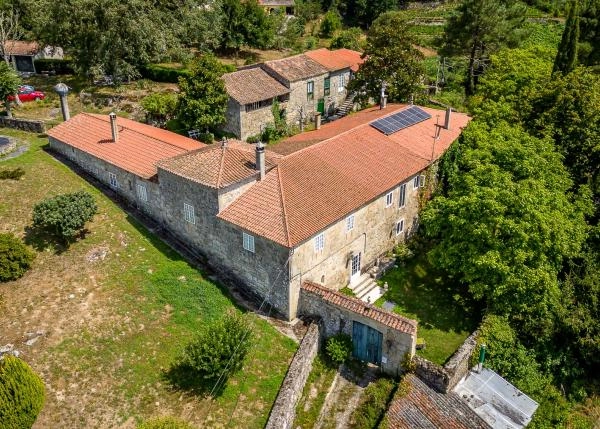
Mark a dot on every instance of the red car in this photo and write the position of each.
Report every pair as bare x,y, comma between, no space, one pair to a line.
28,93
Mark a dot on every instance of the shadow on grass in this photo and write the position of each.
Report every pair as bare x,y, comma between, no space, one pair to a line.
182,378
41,239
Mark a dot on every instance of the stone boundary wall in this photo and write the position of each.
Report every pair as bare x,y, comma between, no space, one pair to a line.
283,412
444,378
33,126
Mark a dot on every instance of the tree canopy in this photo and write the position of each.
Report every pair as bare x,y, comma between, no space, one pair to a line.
566,57
9,84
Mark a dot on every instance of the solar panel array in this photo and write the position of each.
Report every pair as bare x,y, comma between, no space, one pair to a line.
398,121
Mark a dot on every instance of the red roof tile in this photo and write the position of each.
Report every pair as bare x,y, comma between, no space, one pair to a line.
319,187
357,306
251,85
338,59
21,47
295,68
137,150
218,166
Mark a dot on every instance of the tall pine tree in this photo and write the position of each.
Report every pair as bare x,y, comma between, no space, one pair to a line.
566,57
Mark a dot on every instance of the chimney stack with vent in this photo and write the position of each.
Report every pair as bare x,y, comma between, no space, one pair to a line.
260,159
382,97
113,126
318,121
448,115
63,90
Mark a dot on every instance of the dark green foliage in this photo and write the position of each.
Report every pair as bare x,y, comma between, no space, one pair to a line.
158,73
164,423
589,48
349,39
14,174
364,12
246,24
65,215
160,105
9,84
391,58
339,348
203,99
22,394
566,57
331,23
206,137
217,352
55,65
374,404
15,258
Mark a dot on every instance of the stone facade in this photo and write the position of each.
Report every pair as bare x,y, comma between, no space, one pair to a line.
299,98
29,125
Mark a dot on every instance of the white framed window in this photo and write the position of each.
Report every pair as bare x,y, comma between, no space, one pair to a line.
350,223
400,227
141,192
402,196
188,213
416,182
112,180
319,242
389,199
422,180
342,83
248,242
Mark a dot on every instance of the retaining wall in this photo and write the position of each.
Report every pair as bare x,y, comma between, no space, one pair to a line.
283,412
32,126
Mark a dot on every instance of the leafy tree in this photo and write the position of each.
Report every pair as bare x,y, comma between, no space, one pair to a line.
203,99
66,214
566,57
391,59
22,394
364,12
479,28
217,352
349,39
9,84
246,24
589,48
160,106
507,223
331,23
15,258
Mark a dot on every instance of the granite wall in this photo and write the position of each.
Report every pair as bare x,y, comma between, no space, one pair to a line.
29,125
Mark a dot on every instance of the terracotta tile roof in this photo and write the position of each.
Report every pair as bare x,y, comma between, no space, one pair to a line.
217,166
295,68
424,408
392,320
338,59
276,2
138,149
21,47
251,85
323,183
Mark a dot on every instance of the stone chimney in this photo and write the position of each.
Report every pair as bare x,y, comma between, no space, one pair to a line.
382,98
318,121
113,126
260,159
63,90
448,115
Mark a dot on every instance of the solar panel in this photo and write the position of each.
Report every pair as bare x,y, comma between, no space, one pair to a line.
399,121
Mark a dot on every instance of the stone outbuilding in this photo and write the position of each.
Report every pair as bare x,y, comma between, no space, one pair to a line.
21,54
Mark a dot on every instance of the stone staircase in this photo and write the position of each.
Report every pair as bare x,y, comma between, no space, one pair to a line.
366,289
345,108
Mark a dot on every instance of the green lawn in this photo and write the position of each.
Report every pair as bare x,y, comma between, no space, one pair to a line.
114,325
421,294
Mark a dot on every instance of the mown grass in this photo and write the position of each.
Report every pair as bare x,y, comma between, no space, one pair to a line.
421,293
315,390
148,304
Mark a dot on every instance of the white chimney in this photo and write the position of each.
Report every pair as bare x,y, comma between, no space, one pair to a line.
448,115
113,126
382,98
318,121
260,159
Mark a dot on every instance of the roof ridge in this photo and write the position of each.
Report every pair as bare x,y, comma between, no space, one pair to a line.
221,165
286,228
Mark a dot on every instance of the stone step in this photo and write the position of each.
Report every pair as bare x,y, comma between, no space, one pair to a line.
364,283
373,294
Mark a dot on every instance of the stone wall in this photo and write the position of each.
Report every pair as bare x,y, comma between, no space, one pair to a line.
335,319
29,125
252,122
283,412
444,378
298,99
233,123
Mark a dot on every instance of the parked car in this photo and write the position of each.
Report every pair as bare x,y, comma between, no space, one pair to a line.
28,93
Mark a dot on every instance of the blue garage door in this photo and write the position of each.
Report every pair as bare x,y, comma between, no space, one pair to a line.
367,343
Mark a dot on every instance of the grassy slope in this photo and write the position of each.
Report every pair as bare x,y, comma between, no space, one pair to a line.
146,307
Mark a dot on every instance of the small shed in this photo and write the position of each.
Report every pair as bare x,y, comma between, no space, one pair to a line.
21,54
272,5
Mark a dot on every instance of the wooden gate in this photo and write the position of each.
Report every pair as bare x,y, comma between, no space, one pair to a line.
366,343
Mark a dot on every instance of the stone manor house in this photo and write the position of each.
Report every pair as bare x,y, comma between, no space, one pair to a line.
305,84
292,224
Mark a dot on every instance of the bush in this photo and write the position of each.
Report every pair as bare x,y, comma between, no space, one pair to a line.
349,39
22,394
57,66
339,348
218,351
161,105
331,23
159,73
15,258
65,215
14,174
373,405
207,137
164,423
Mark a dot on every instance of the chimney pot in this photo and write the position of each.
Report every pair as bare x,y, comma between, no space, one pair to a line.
318,120
224,142
113,126
260,159
448,117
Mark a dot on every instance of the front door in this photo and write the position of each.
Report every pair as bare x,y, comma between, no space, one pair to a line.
366,343
355,270
321,106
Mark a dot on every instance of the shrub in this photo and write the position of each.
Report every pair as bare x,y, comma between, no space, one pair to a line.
66,214
159,73
373,405
207,137
349,39
15,258
330,24
339,348
55,65
21,394
160,104
14,174
164,423
218,351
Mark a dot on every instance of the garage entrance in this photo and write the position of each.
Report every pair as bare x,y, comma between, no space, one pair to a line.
366,342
